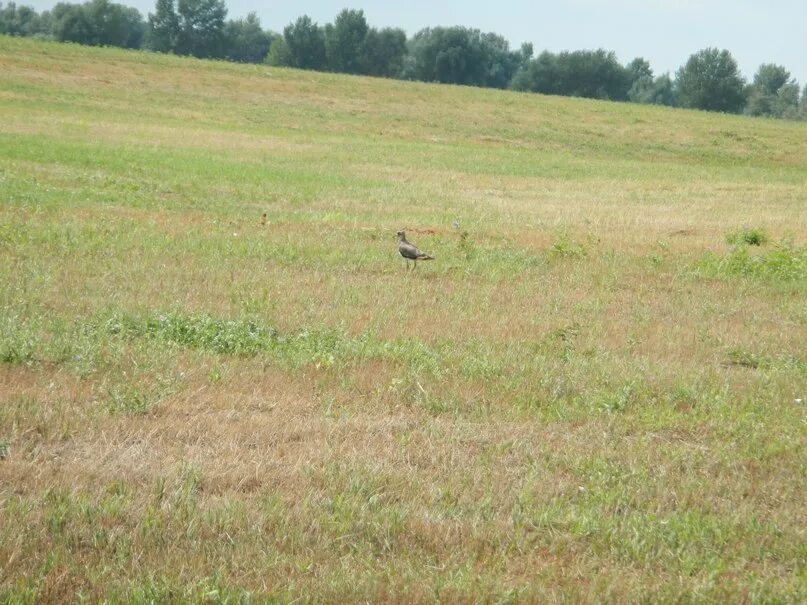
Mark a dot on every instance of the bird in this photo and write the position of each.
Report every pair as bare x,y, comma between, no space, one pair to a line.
410,252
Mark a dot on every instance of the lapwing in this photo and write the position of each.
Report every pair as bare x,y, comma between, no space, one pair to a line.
410,252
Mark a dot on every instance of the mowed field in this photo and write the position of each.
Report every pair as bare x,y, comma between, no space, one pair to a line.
590,394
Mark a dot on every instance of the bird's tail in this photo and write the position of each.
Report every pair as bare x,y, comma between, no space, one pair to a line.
425,257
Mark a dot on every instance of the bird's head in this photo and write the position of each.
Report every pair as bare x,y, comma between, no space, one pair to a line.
401,235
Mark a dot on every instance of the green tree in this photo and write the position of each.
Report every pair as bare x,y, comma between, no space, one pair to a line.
445,54
458,55
201,28
245,40
500,63
279,54
786,104
70,24
305,44
20,21
114,24
773,93
345,42
802,112
593,74
710,80
188,27
98,23
384,52
653,91
770,78
538,75
638,69
582,73
163,27
641,89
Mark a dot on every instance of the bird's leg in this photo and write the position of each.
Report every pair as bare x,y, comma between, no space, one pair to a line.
416,264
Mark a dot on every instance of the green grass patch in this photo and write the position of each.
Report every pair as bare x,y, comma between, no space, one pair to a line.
748,236
783,262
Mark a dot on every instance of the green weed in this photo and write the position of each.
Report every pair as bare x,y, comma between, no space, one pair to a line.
16,340
785,262
748,236
130,399
566,247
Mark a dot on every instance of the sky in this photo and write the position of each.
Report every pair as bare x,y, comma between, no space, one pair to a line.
665,32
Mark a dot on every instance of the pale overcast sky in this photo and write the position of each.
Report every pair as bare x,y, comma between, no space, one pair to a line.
665,32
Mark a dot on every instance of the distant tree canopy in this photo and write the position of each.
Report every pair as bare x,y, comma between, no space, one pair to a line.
348,45
458,55
22,21
654,91
94,23
385,50
709,80
245,41
645,88
163,27
638,68
583,73
305,45
345,42
188,27
773,93
802,112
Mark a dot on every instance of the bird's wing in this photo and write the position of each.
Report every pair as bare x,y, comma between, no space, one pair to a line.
407,250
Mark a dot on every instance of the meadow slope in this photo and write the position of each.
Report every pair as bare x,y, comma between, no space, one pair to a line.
590,394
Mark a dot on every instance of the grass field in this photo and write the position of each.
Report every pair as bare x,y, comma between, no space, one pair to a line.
590,394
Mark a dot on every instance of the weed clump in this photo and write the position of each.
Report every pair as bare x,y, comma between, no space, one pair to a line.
746,359
17,339
566,247
322,347
617,400
234,337
783,262
466,246
131,400
16,351
747,236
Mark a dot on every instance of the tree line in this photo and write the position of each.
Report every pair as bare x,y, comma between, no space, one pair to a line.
709,80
